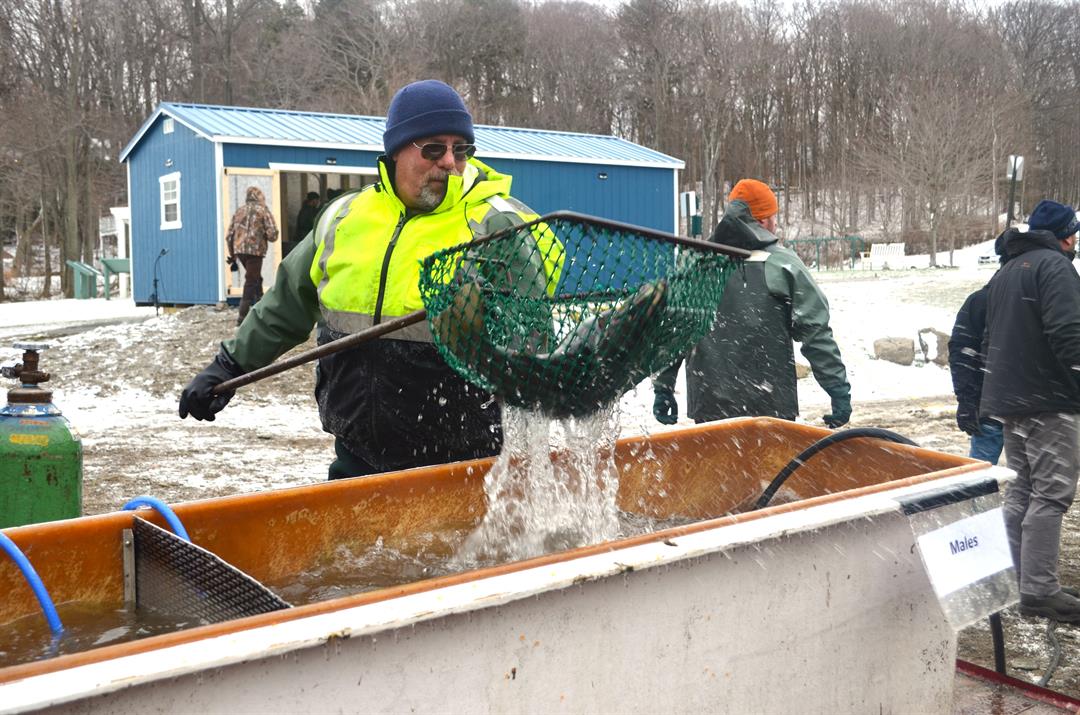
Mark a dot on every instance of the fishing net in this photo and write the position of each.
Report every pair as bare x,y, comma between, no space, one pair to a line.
566,313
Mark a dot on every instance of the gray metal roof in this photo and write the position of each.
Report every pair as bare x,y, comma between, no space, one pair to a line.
245,125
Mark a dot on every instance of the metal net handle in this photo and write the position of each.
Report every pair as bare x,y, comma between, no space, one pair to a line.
618,226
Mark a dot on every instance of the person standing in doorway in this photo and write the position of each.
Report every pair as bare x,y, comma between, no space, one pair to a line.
251,231
1032,385
305,221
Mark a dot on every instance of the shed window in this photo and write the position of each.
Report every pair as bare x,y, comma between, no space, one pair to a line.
167,126
170,200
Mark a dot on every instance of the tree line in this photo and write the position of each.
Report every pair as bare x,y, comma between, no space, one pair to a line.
896,114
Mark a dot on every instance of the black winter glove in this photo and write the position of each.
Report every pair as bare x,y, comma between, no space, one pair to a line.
841,408
198,399
665,408
967,419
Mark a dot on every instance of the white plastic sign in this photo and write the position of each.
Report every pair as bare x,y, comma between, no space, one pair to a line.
688,204
961,553
1015,169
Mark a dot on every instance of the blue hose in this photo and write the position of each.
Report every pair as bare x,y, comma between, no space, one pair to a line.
162,508
35,583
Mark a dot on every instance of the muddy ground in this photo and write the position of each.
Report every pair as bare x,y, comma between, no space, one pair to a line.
119,384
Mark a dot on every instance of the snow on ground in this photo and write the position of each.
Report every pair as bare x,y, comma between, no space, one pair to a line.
66,314
118,385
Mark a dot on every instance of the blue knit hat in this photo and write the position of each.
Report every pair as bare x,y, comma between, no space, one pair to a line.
424,109
1056,218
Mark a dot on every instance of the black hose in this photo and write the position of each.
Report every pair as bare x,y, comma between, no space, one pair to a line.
1055,650
835,437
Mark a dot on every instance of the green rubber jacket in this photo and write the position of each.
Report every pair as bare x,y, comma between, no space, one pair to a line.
746,365
392,401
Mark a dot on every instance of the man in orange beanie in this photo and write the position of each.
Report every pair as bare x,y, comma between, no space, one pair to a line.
746,365
760,199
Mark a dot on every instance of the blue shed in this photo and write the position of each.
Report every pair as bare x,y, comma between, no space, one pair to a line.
189,165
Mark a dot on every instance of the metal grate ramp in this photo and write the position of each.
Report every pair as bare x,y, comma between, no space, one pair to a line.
177,577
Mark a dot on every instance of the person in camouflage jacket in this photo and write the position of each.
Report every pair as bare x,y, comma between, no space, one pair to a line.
251,231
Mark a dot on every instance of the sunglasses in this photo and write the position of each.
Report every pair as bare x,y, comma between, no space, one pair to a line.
434,151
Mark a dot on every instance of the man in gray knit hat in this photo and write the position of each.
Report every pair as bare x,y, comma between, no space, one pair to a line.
390,403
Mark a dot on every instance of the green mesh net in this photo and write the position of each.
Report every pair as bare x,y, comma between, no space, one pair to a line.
566,313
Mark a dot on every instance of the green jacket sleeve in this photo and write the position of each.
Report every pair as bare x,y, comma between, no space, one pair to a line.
665,379
284,317
789,280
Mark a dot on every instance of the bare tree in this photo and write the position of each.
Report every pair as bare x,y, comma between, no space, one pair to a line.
895,112
571,63
714,91
937,154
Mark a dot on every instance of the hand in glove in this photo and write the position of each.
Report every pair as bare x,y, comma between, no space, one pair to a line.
841,408
967,419
665,408
198,399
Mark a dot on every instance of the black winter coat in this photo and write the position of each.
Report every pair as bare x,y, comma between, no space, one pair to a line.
965,351
397,404
1032,342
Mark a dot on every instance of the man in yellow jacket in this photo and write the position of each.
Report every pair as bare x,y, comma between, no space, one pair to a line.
391,403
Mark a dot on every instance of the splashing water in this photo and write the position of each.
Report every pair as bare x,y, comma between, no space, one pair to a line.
536,505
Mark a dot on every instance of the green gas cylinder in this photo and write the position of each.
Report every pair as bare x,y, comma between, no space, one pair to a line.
40,454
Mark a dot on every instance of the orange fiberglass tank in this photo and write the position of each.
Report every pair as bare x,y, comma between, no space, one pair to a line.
701,615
